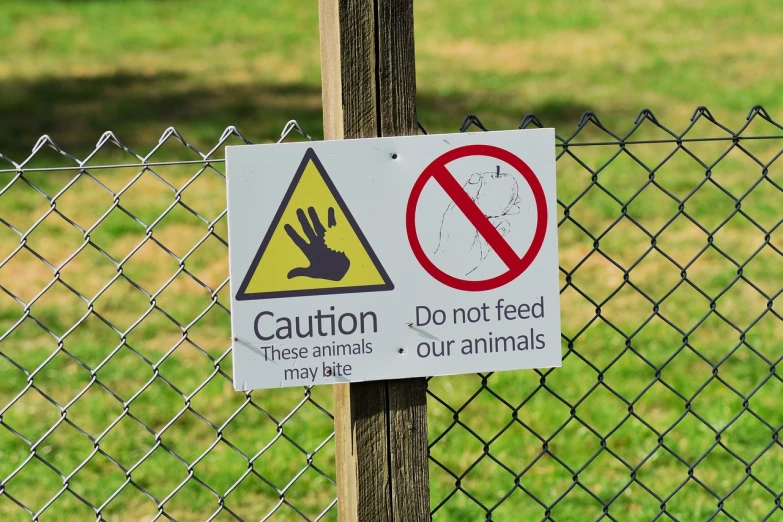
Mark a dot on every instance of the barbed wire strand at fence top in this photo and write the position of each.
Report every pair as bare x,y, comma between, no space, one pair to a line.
103,340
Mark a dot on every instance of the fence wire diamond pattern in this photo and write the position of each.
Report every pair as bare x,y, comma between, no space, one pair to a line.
115,378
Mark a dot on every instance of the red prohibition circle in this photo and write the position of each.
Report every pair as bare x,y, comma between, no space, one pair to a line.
435,171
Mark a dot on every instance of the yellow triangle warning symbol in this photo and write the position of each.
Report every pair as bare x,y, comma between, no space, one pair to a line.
314,245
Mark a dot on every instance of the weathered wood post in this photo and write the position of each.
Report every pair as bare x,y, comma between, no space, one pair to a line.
369,90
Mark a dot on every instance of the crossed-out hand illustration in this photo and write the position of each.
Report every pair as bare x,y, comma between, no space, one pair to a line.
325,263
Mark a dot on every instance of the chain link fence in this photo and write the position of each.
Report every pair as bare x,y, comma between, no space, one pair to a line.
115,375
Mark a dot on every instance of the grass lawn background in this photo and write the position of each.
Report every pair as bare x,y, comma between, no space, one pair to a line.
74,69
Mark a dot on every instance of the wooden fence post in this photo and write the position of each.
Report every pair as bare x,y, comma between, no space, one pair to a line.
369,89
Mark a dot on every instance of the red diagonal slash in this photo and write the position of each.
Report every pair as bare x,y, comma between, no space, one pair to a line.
476,216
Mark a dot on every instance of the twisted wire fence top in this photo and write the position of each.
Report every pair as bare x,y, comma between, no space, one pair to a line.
115,393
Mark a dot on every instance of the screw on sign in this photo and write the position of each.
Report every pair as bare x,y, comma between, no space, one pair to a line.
491,203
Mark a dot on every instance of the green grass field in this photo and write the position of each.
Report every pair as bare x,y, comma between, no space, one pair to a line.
74,69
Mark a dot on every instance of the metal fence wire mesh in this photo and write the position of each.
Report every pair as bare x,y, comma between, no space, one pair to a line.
115,375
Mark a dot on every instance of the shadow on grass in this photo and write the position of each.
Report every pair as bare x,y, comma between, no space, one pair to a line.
74,112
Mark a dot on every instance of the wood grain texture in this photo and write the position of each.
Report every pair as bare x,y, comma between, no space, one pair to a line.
361,423
369,89
396,66
348,68
409,460
331,74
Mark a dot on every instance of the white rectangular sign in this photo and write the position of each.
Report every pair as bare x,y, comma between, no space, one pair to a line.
390,258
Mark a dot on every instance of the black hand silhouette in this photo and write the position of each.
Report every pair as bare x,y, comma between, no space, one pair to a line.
325,263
